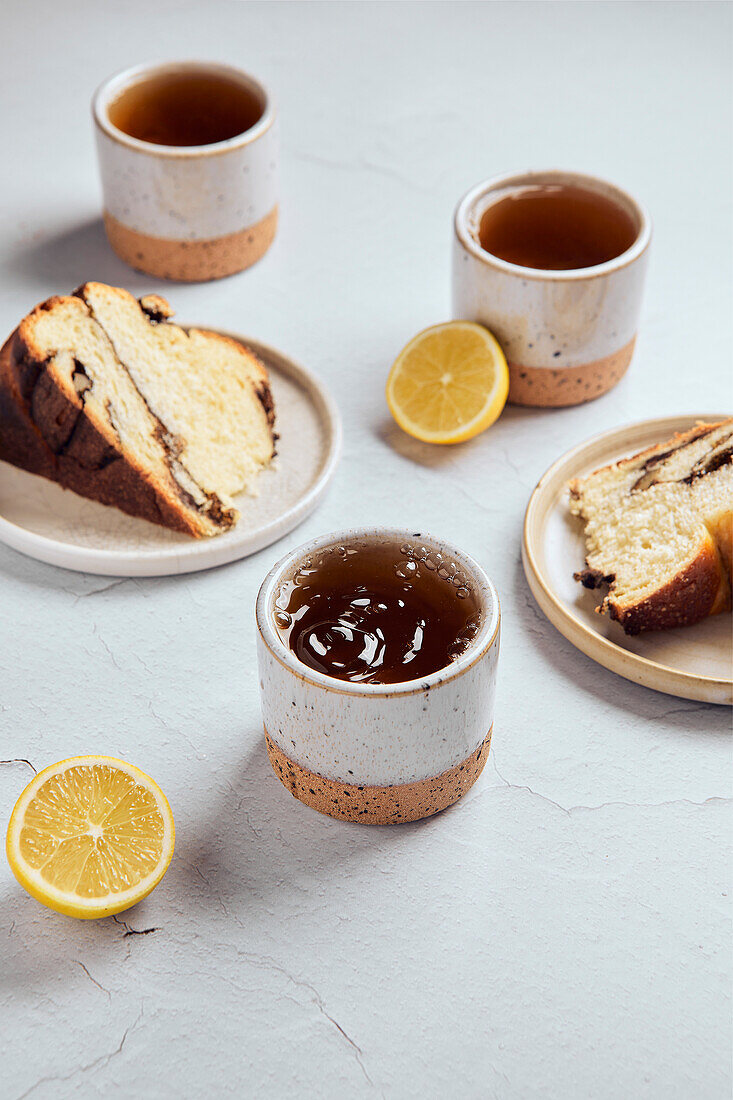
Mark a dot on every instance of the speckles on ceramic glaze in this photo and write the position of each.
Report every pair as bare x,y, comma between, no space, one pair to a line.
156,199
534,321
559,386
199,197
192,261
377,805
579,327
377,735
379,739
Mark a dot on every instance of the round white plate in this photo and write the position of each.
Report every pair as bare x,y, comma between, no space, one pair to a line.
41,519
694,662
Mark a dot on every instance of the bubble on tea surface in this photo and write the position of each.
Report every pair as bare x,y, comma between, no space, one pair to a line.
407,550
282,619
304,571
458,579
444,572
462,592
433,561
407,570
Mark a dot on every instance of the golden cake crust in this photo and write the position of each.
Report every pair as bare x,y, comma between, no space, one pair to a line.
698,589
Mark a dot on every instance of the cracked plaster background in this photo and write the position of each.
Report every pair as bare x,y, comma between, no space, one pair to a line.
565,930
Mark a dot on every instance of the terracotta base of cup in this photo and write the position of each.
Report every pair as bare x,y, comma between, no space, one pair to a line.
553,387
192,261
367,805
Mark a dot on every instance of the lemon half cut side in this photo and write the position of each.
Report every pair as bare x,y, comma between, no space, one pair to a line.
449,383
90,836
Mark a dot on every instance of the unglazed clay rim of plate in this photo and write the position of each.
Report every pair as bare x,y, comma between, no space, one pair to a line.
487,594
471,200
120,81
632,666
199,553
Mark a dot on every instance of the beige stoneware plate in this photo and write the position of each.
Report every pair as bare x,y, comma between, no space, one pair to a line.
694,662
52,524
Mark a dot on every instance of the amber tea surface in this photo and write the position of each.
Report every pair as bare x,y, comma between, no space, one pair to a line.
556,228
185,108
380,613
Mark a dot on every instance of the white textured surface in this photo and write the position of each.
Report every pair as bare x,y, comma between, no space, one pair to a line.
563,932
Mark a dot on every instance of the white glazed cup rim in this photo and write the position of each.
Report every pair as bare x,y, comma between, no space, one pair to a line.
470,208
484,589
117,83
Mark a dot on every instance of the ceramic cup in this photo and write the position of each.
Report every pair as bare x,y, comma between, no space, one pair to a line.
568,335
378,754
192,212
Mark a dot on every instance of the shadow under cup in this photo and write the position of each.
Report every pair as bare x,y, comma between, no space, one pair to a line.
378,753
568,335
188,212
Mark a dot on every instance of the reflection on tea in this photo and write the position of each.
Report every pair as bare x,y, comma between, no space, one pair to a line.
379,613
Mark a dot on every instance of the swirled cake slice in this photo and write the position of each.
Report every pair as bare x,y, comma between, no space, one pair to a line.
659,530
103,394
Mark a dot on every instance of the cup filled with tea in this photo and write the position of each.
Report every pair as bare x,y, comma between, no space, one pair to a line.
554,264
377,656
188,157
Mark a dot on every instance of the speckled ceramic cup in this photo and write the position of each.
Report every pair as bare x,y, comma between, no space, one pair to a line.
379,754
568,335
194,212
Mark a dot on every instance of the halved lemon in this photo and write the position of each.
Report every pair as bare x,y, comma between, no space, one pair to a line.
90,836
450,383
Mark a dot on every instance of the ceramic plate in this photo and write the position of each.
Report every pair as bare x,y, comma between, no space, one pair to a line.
694,662
55,525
